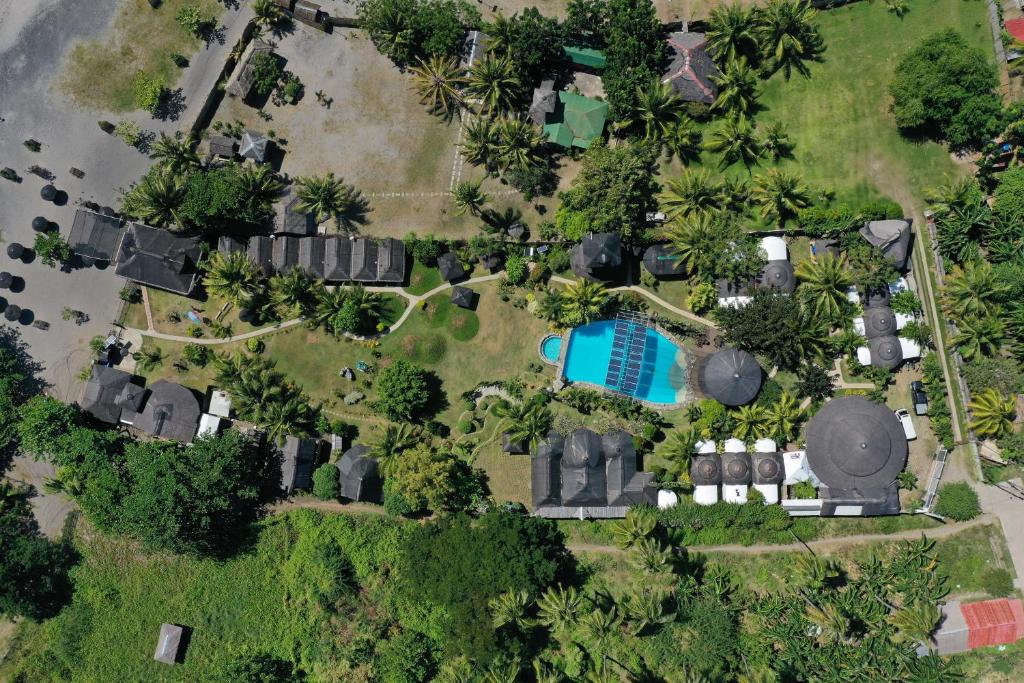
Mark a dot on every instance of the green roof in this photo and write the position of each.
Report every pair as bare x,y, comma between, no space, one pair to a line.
582,121
586,56
559,134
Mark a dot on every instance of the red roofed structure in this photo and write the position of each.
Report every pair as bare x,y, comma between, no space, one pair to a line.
978,624
1015,27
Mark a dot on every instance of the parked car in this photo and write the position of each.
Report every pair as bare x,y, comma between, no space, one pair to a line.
919,397
903,415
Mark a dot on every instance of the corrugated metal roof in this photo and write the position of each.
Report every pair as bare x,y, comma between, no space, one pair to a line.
992,622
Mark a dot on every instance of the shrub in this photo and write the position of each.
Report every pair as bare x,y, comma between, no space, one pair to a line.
130,294
828,221
32,145
958,501
191,18
129,132
52,248
804,490
266,71
905,302
466,426
107,127
147,91
997,582
195,331
196,354
325,482
1012,447
402,391
881,209
255,345
1005,375
703,297
515,269
726,523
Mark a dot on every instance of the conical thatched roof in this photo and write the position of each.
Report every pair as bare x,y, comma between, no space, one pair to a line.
879,321
732,377
886,352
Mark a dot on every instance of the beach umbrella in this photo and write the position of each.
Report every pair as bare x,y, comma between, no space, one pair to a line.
49,193
40,224
15,250
13,312
5,280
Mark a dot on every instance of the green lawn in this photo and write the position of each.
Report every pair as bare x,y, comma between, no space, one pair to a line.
422,279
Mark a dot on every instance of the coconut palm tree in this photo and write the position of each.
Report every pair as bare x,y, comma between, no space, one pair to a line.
781,194
823,282
693,192
290,414
551,306
751,422
525,421
952,193
149,358
737,88
776,142
469,197
979,336
650,557
267,12
252,382
559,608
848,341
897,7
973,290
783,417
638,525
677,448
233,277
492,80
585,301
175,156
325,197
915,623
437,81
504,671
546,673
291,291
732,33
736,141
391,441
992,413
789,36
480,138
645,609
811,572
511,608
692,240
735,194
260,184
517,143
599,627
683,140
830,623
156,199
656,108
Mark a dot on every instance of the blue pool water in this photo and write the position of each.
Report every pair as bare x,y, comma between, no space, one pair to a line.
626,357
551,347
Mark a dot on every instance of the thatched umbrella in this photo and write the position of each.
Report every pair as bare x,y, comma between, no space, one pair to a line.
246,315
5,280
13,312
15,250
48,193
40,224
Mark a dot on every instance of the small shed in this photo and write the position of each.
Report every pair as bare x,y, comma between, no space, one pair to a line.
586,57
169,644
220,403
598,257
892,237
359,475
222,146
545,101
463,297
886,352
449,266
94,235
254,146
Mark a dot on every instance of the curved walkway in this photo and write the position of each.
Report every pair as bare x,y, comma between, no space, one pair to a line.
653,297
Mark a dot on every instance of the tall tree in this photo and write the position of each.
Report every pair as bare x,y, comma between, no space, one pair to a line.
735,140
732,33
737,88
992,413
585,301
176,156
492,80
693,192
789,36
635,51
468,197
156,199
437,81
656,109
781,194
973,290
326,196
824,281
232,276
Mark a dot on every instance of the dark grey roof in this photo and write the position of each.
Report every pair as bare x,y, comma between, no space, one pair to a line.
171,411
109,390
590,473
731,377
855,444
360,475
826,246
879,321
730,288
222,146
298,457
493,261
518,447
778,275
661,262
691,70
390,261
879,296
285,254
260,251
364,259
168,645
869,501
545,101
159,258
462,297
597,257
338,259
254,146
735,469
767,468
243,84
706,470
449,266
291,218
892,237
95,235
229,245
311,256
886,352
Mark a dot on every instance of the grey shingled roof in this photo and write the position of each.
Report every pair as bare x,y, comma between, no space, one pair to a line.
291,219
168,644
892,237
767,468
338,259
298,457
597,257
513,447
95,235
886,352
311,256
360,476
109,390
661,262
778,275
854,444
449,267
879,321
731,377
242,85
735,469
869,501
691,71
159,258
285,254
254,146
706,470
462,297
222,146
171,412
545,101
260,251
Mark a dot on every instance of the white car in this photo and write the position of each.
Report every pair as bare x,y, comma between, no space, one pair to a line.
903,415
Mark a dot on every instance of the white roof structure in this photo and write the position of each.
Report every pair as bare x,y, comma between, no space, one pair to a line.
770,493
901,321
909,348
775,248
208,425
220,404
704,447
735,493
852,295
667,499
734,301
705,495
863,355
796,467
734,445
765,446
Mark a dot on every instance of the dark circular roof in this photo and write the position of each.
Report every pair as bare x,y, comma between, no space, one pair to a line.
48,192
15,250
854,443
886,352
40,224
768,468
732,377
735,468
13,312
879,321
706,470
779,275
6,279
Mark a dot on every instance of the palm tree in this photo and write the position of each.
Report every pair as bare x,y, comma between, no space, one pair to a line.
992,413
233,277
692,240
503,672
252,382
292,290
678,448
776,141
325,197
517,142
811,572
953,193
638,525
732,33
735,193
789,36
599,627
735,141
650,557
737,88
979,336
480,139
291,414
831,624
511,609
149,358
545,673
783,417
392,440
897,7
175,156
694,192
260,183
683,139
469,197
585,301
644,610
559,608
915,623
267,12
156,199
525,421
751,422
551,306
437,81
973,290
493,81
824,282
657,108
781,194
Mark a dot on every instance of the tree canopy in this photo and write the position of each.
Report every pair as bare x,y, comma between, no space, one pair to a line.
406,29
403,391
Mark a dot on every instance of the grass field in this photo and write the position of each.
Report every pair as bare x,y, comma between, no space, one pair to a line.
99,73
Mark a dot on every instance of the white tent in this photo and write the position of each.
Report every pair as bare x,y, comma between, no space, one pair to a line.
705,495
909,348
735,493
220,403
901,321
796,467
765,446
667,499
775,248
734,445
770,493
208,425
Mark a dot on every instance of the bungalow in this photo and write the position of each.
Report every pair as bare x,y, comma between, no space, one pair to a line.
449,267
598,257
735,472
109,391
732,377
159,258
95,236
576,121
298,458
169,411
463,297
334,258
254,146
359,475
705,473
778,272
692,73
888,352
892,237
661,262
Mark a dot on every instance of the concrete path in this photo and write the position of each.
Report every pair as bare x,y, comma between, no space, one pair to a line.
1010,513
653,297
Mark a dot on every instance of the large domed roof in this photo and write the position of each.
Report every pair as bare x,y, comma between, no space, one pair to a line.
732,377
854,443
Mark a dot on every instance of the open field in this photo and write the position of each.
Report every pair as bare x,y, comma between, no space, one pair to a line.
99,73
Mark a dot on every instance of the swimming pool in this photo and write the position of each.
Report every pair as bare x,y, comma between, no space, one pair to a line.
628,358
551,348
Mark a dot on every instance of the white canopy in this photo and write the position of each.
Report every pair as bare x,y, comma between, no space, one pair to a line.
901,321
705,495
704,447
208,425
667,499
910,348
864,355
852,295
220,403
765,446
735,493
770,493
734,445
775,248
